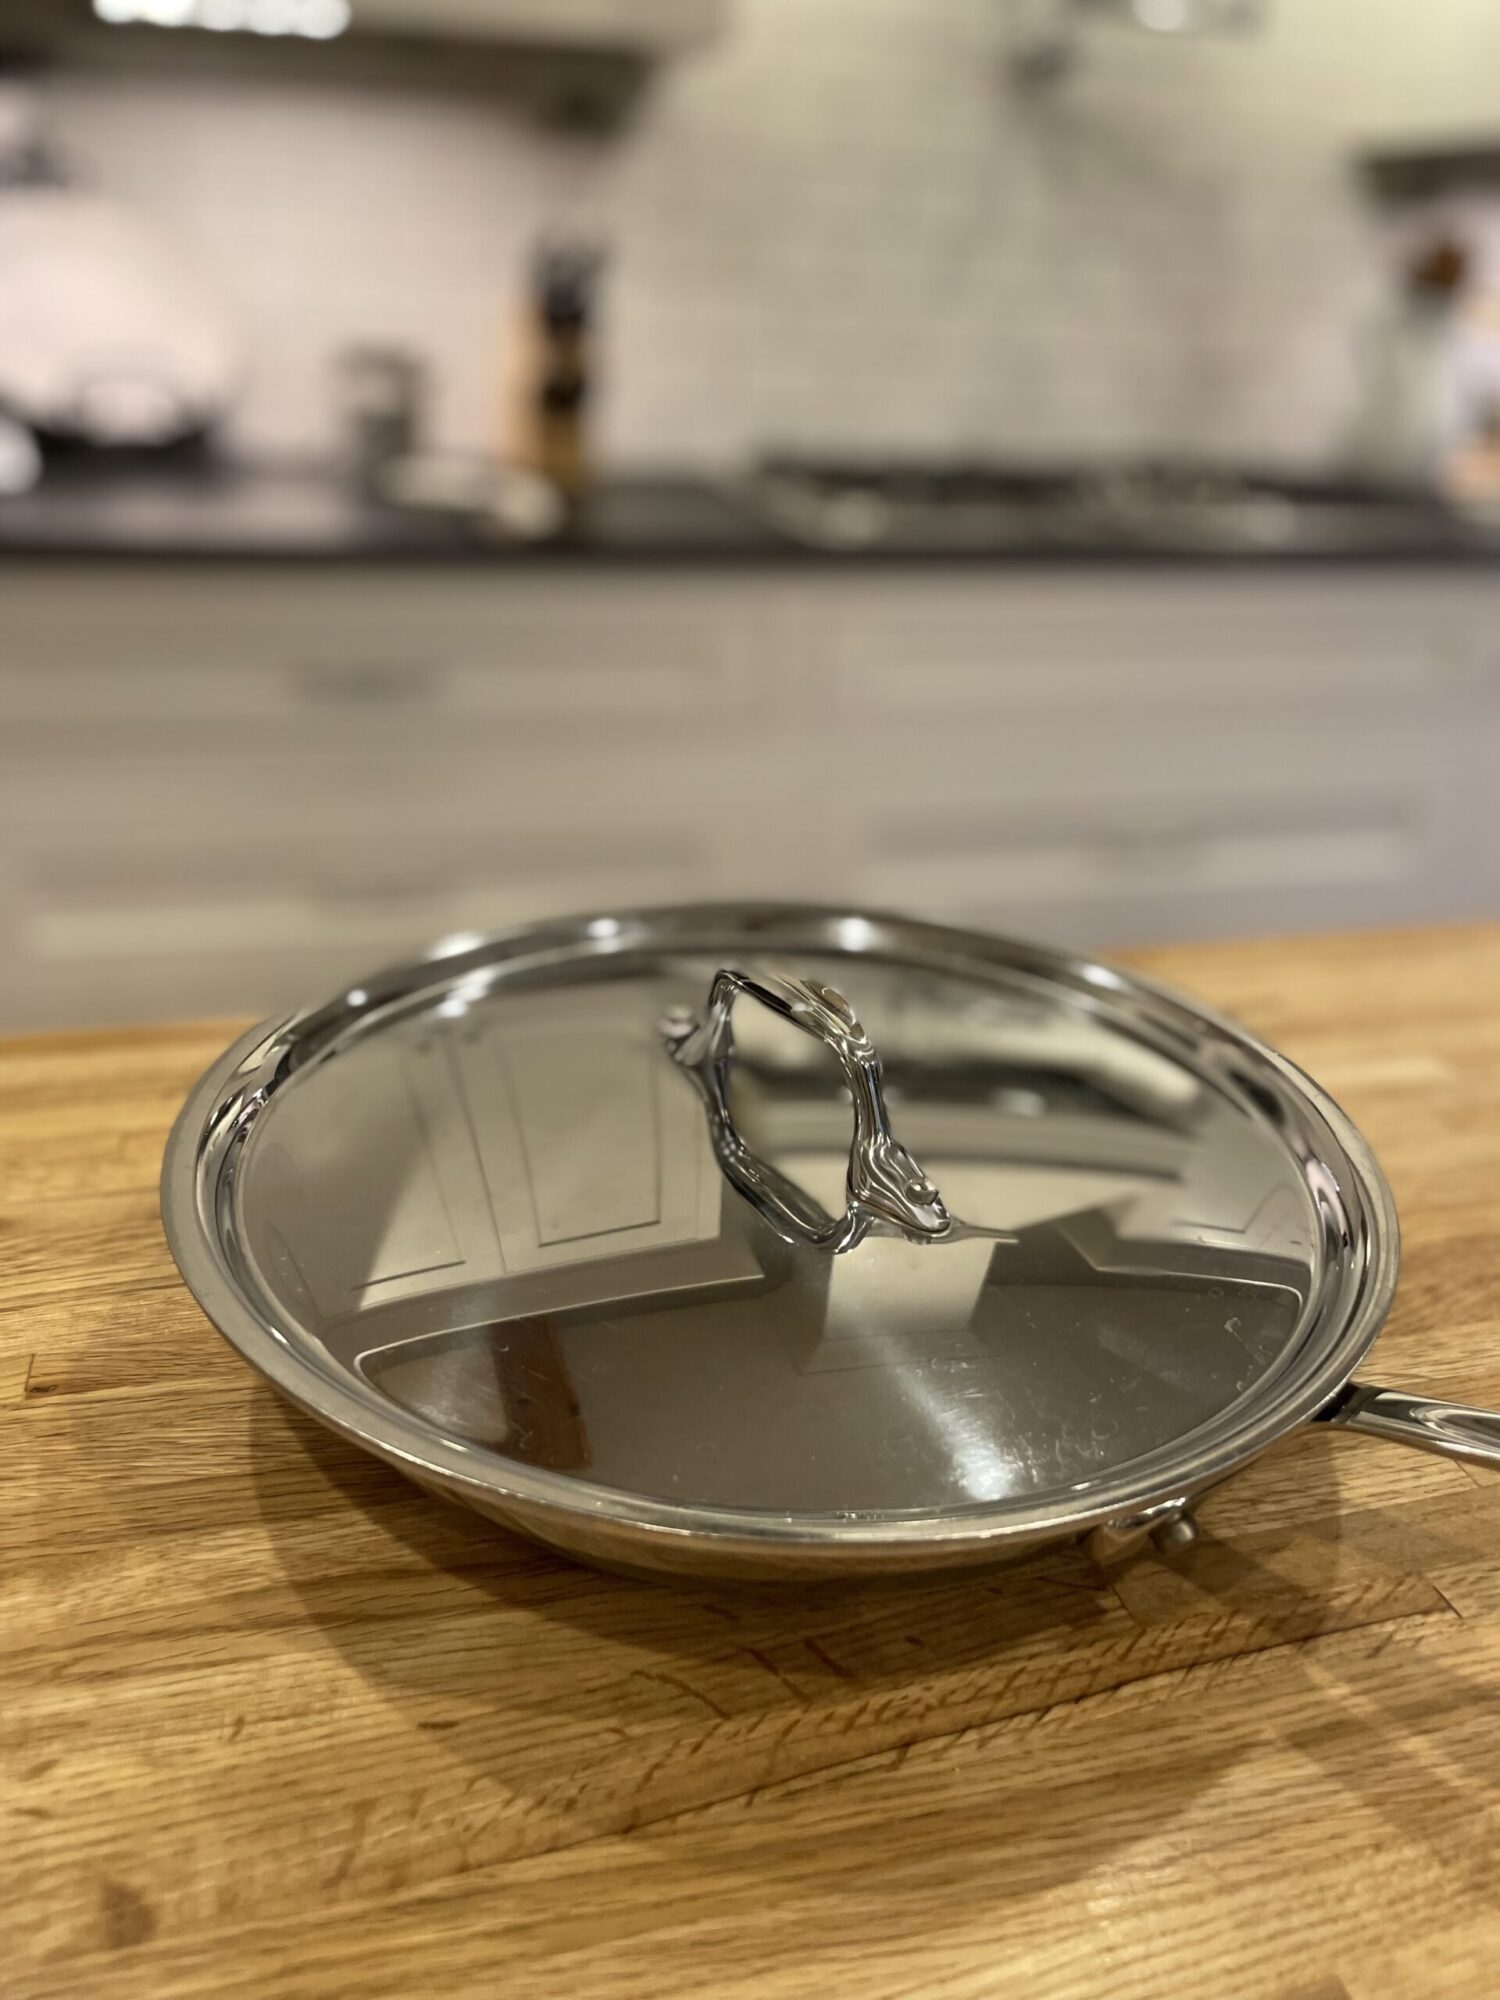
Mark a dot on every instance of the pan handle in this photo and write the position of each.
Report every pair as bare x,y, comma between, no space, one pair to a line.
1453,1430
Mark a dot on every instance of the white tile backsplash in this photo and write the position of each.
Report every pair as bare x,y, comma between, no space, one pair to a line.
842,226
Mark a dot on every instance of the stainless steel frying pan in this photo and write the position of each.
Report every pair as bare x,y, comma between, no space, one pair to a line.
770,1240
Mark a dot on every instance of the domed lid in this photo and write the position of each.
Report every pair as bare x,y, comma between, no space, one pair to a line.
783,1224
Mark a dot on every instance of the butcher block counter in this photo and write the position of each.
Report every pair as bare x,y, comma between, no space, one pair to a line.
275,1724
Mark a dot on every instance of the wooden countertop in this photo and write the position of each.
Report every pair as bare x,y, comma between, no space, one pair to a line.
274,1725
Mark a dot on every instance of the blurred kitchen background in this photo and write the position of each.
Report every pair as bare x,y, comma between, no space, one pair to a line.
1030,462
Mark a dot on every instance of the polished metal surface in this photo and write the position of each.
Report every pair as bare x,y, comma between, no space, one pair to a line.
1169,1525
471,1214
1452,1430
885,1191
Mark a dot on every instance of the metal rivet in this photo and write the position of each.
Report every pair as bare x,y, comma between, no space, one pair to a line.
1175,1535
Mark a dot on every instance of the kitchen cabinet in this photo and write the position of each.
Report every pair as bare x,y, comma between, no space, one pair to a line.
228,787
1103,760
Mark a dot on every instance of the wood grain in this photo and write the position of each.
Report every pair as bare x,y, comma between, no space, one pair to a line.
273,1726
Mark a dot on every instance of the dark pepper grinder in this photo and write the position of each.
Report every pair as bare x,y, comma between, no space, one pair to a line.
557,394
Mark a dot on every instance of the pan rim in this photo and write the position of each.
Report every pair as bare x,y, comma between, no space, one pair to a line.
221,1110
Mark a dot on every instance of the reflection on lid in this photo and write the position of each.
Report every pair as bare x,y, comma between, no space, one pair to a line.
502,1386
510,1222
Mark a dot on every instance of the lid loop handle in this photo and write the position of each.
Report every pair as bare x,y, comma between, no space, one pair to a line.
888,1193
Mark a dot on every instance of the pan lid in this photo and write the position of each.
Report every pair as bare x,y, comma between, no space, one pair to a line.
782,1223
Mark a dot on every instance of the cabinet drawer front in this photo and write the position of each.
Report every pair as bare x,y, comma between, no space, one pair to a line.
322,667
308,693
247,927
1038,757
1121,869
1131,657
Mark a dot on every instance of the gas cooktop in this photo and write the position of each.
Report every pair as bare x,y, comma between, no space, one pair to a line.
963,505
